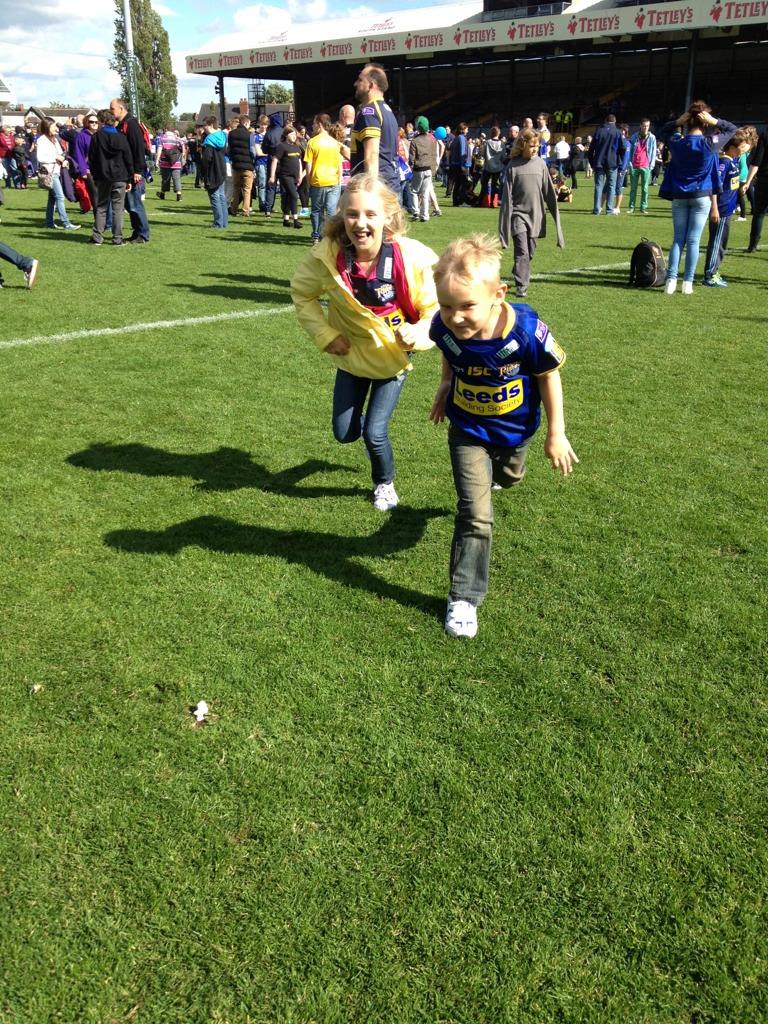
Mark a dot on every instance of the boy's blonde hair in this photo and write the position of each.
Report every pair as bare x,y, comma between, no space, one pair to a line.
470,259
397,223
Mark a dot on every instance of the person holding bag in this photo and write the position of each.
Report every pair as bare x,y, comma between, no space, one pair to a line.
50,159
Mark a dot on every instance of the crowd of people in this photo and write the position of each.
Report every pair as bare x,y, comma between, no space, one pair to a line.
370,297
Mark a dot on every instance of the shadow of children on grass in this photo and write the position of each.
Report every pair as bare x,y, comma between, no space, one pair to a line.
328,554
227,469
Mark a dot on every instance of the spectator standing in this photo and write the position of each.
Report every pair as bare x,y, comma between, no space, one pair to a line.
272,139
422,158
374,138
692,183
79,156
286,167
727,202
606,155
169,160
322,159
241,155
51,157
459,165
134,199
213,171
110,163
757,179
642,157
492,167
260,161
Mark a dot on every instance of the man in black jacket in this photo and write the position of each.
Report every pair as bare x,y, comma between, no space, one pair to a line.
240,144
111,165
271,141
134,200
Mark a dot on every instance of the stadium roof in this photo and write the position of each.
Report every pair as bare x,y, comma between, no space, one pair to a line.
454,29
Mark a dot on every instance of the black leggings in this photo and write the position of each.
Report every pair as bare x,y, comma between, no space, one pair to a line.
290,197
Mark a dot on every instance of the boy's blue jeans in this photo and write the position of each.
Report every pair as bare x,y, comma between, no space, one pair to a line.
349,424
476,465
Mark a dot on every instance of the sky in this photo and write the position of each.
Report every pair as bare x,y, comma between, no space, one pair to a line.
57,51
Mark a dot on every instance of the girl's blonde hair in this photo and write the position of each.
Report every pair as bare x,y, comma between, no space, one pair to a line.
528,135
397,222
470,259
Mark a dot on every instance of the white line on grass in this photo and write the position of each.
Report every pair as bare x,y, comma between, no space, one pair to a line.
580,270
50,339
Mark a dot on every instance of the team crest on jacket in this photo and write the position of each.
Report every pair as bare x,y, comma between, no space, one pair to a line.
368,110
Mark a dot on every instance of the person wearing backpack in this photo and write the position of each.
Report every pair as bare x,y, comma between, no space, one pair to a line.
170,159
134,200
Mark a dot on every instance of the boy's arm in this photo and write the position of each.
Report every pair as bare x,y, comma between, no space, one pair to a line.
437,415
557,447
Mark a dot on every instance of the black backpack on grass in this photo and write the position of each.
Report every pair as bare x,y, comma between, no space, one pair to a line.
647,268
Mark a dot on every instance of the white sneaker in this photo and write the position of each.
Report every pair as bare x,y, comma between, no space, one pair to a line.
384,497
687,287
460,618
671,286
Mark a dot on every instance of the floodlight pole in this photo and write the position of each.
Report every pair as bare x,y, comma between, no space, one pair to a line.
130,69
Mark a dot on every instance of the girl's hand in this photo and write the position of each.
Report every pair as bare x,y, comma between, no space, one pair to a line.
406,336
338,347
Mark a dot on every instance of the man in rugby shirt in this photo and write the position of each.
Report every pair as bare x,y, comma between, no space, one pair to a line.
373,142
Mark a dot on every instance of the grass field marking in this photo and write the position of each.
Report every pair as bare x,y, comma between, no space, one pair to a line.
580,270
51,339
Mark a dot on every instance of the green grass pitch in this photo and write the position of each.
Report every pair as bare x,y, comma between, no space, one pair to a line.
561,821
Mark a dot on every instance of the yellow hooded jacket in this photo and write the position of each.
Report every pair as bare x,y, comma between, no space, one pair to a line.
373,352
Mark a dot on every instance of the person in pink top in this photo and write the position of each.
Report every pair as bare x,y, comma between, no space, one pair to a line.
641,160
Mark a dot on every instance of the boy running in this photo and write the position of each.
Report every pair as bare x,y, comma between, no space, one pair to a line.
500,364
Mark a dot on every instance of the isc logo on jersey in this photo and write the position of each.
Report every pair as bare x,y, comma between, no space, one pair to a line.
489,401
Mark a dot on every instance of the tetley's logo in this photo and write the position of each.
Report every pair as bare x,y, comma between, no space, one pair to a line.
528,30
592,26
739,11
469,36
653,17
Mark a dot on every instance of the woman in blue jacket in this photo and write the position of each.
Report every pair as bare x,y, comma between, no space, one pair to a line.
691,181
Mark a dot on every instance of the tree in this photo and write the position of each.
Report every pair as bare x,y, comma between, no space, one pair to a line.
276,93
155,80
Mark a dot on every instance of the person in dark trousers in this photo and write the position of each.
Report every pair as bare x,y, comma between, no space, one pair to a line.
272,140
111,163
131,128
758,176
606,155
460,161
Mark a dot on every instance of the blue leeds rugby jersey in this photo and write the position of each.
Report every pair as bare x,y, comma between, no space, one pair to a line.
494,393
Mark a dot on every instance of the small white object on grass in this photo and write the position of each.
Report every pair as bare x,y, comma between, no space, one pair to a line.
201,711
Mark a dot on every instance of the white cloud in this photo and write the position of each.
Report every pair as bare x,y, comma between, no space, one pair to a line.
163,11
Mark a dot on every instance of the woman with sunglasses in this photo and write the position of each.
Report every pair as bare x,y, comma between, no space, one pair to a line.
79,155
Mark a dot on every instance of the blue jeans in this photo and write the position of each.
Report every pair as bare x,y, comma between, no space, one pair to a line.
324,200
218,198
604,179
11,170
136,211
476,465
260,183
688,219
9,254
56,202
349,423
